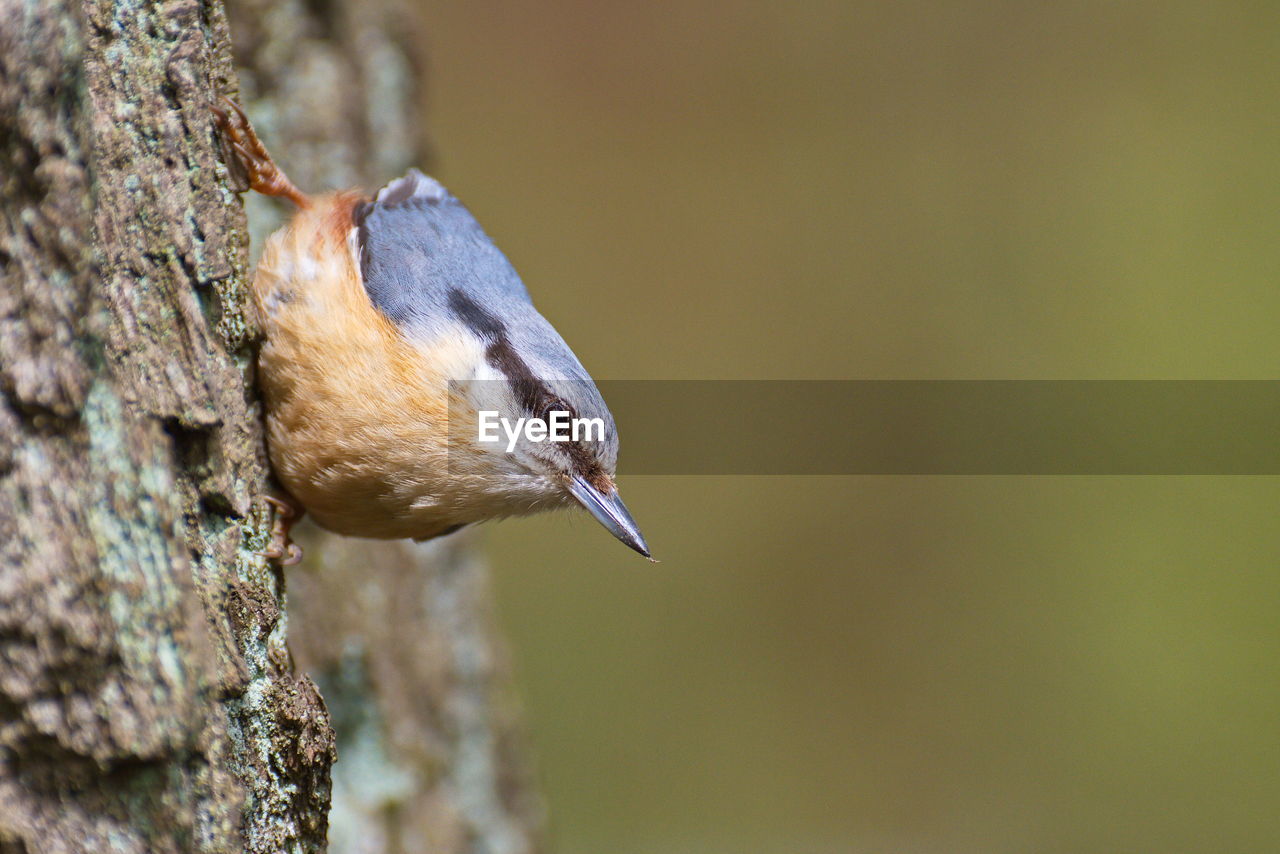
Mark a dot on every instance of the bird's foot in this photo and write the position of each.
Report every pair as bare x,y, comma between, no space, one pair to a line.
286,513
260,171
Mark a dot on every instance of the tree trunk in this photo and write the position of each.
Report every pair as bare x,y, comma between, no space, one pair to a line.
148,701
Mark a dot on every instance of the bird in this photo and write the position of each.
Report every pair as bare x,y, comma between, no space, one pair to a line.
394,329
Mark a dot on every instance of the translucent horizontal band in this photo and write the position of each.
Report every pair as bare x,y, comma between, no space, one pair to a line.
944,427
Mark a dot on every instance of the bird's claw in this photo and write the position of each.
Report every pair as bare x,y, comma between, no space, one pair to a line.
281,548
260,171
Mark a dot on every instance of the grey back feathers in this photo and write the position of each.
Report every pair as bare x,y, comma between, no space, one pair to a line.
428,265
417,242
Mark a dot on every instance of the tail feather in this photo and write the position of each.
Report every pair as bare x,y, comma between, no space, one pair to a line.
414,185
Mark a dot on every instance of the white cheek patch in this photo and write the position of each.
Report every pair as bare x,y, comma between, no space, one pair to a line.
454,353
486,373
457,359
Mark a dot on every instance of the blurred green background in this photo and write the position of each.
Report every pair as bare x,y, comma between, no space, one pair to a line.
871,190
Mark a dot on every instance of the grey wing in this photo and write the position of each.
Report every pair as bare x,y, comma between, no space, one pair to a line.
426,264
418,244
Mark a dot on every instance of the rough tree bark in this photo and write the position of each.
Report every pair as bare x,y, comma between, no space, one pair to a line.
148,700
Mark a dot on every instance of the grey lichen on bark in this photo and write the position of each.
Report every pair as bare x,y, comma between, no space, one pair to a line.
148,700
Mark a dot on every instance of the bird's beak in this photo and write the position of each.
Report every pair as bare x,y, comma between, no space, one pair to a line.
609,511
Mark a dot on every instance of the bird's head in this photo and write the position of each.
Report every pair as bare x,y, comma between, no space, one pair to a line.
540,421
430,269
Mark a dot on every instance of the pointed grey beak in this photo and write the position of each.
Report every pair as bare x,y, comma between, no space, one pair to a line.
610,512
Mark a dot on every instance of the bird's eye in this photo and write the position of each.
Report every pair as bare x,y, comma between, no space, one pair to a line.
554,406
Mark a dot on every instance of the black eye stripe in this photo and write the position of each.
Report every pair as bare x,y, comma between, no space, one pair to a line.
532,393
476,318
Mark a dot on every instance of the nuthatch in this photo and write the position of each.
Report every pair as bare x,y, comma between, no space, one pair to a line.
380,316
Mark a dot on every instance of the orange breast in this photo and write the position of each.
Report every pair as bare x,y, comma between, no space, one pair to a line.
355,416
